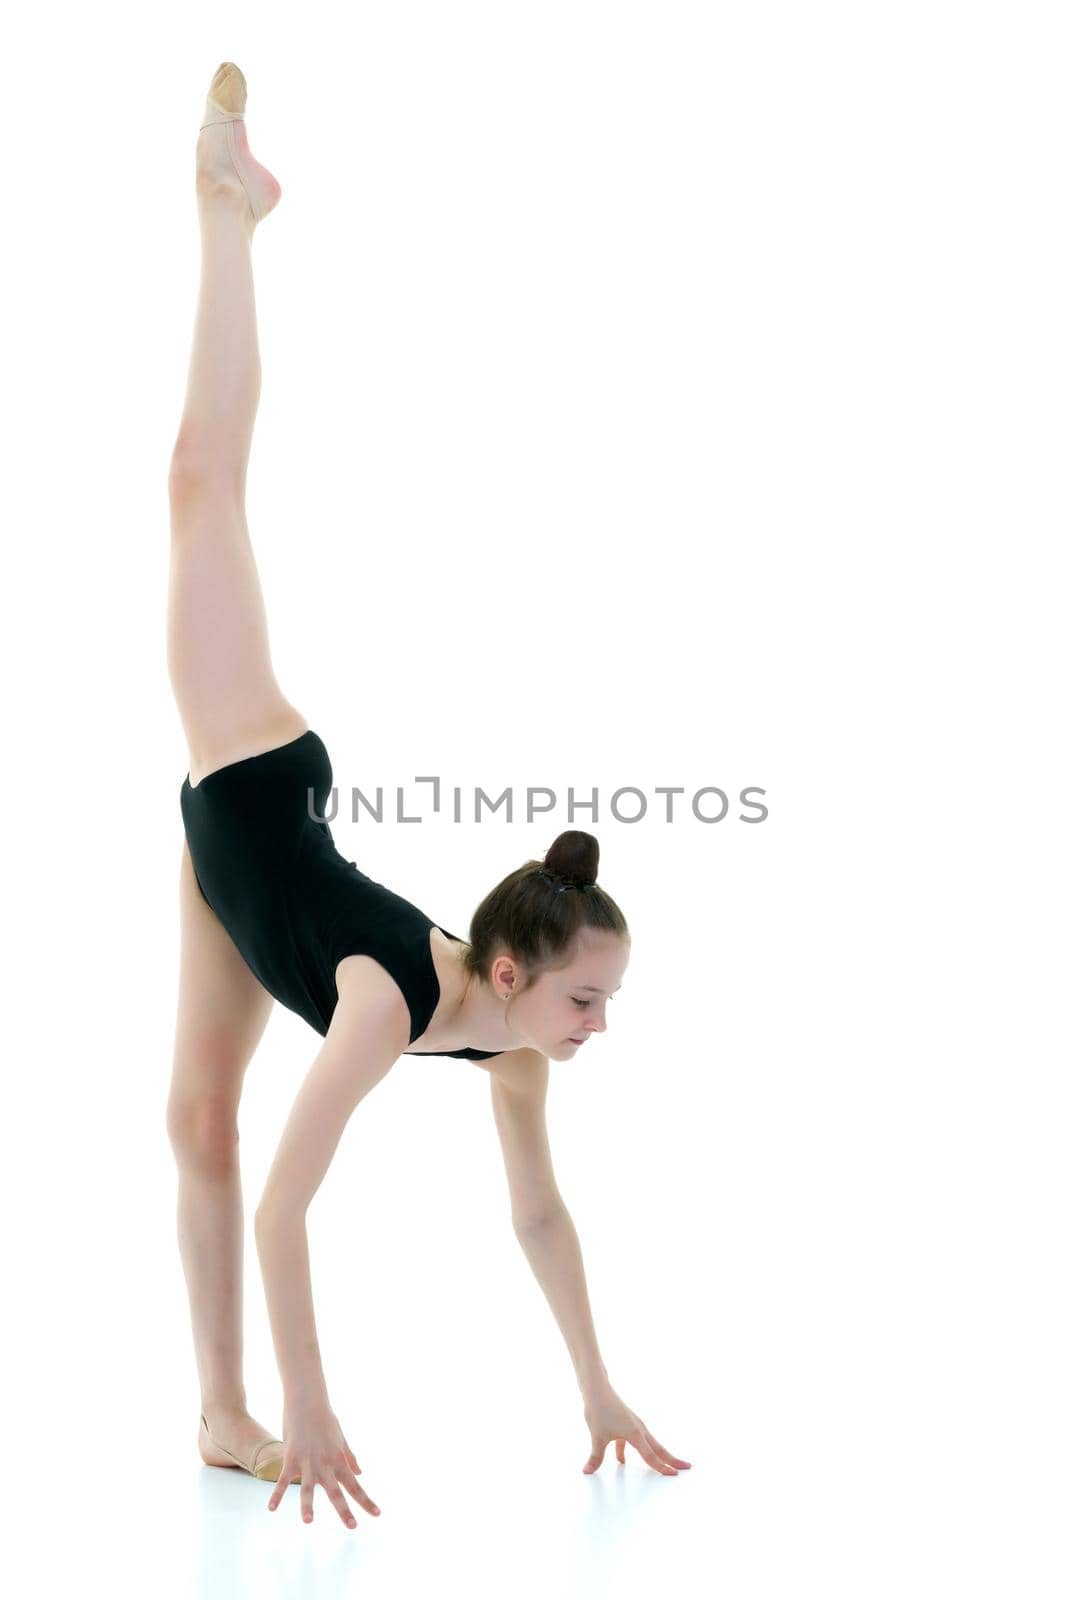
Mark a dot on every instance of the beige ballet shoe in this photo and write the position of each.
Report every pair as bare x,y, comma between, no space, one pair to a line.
225,106
227,96
266,1462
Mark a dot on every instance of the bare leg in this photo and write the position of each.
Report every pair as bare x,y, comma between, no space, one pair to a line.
222,394
218,651
227,698
222,1012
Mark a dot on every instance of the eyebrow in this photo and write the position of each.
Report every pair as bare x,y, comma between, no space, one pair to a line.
595,991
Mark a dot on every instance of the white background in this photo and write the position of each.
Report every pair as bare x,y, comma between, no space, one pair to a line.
652,394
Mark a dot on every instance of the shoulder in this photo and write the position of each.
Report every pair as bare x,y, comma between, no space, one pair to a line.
367,993
521,1072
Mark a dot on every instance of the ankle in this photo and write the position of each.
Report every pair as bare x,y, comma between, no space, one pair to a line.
218,1412
220,195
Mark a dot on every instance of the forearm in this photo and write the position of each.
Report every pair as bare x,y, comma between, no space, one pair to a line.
282,1245
555,1257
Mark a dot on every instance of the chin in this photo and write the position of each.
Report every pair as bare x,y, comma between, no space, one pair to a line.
563,1050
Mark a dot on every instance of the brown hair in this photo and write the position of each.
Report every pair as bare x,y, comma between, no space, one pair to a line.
536,910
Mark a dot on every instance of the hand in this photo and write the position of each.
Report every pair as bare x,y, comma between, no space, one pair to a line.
609,1418
316,1451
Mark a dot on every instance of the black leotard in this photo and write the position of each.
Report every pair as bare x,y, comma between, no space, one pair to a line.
289,900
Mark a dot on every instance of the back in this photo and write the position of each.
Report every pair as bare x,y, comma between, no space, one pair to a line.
292,904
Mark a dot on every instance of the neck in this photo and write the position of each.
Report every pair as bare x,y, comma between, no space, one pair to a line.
475,1014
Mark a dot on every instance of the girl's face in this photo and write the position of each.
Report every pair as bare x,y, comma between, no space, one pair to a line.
561,1010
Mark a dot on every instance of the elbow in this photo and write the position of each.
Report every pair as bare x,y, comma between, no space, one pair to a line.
528,1221
273,1214
261,1226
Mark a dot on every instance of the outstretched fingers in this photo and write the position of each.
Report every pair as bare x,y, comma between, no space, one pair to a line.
332,1488
651,1451
332,1478
675,1461
347,1476
286,1476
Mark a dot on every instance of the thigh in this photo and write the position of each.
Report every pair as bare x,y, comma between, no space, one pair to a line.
222,1012
218,648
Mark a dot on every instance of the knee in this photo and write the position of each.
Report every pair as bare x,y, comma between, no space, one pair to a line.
199,470
203,1133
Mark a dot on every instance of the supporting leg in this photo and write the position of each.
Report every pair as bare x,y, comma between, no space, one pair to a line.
222,1012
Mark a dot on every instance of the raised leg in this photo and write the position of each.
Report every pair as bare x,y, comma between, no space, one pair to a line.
218,651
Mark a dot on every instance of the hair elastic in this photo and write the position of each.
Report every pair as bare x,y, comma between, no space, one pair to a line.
574,883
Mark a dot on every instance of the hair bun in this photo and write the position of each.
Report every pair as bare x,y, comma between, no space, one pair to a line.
573,856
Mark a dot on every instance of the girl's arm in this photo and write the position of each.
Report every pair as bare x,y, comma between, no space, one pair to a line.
368,1031
540,1218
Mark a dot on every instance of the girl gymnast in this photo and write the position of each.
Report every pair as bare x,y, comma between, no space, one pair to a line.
270,910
